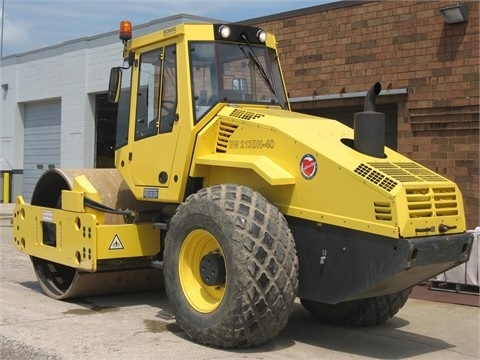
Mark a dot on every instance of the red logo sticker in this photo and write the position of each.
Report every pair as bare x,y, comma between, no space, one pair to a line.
308,166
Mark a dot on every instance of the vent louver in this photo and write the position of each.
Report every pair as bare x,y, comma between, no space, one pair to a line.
383,211
225,130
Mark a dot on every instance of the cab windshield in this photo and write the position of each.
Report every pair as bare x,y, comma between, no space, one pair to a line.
234,73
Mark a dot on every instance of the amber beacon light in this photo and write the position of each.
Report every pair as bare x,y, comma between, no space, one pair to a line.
125,30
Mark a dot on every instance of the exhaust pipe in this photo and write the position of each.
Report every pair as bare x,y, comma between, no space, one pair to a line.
369,126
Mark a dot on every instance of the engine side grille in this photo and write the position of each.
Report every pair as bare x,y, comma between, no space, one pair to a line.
419,203
432,202
445,200
225,130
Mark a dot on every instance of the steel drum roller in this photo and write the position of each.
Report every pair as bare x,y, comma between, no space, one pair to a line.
63,282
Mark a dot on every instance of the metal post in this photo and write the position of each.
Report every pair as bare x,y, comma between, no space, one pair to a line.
6,187
1,40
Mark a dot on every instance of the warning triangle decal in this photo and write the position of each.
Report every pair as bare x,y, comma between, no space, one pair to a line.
116,244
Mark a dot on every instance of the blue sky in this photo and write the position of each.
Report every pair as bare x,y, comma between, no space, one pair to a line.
33,24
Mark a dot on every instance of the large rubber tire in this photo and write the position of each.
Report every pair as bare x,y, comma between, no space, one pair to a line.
362,312
255,249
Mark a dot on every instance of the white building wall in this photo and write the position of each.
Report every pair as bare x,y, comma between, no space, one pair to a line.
78,126
11,127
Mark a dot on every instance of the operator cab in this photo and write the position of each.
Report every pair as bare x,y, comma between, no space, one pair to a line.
178,77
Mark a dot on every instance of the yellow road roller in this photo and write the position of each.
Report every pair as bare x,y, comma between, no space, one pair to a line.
235,204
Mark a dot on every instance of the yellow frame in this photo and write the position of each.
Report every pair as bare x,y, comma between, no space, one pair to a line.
81,240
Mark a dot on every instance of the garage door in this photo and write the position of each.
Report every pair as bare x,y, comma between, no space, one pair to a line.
41,141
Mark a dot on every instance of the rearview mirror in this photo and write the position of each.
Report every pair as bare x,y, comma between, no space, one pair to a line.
114,84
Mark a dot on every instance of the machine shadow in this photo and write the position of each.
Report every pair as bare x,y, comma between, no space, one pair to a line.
386,341
32,285
156,298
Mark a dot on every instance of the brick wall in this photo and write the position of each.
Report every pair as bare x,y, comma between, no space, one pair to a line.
402,44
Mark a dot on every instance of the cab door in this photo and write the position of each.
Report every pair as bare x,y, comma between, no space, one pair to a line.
156,133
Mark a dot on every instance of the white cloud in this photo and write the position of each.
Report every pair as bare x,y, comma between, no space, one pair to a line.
16,33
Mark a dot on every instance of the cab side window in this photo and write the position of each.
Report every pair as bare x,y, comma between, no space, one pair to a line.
148,94
157,93
168,108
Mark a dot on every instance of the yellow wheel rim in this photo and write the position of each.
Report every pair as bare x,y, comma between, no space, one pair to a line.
202,297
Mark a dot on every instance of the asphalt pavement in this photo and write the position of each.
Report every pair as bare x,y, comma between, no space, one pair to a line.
141,326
